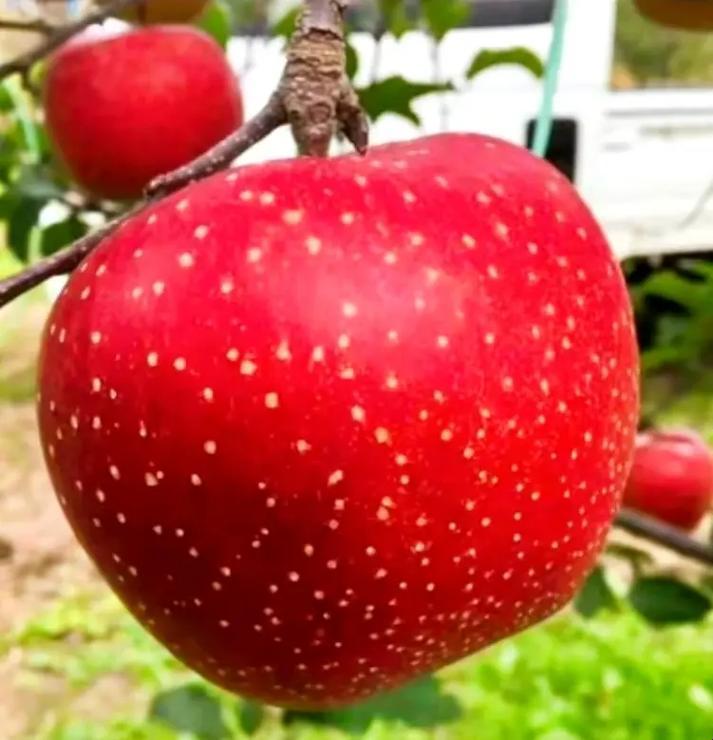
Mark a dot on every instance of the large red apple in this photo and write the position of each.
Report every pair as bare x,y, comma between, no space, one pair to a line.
328,425
672,477
123,108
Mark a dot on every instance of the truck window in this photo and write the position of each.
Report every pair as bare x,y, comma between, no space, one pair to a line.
366,16
562,148
510,12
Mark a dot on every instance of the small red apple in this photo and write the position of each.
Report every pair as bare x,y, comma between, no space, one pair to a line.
124,107
163,11
672,477
326,425
689,15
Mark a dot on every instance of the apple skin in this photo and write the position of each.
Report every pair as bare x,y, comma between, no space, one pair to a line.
672,477
327,425
686,15
163,11
124,107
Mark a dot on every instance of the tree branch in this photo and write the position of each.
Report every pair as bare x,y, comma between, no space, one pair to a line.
60,35
664,534
216,159
36,25
272,116
64,261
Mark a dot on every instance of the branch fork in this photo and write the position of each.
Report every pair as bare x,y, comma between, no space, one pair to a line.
314,96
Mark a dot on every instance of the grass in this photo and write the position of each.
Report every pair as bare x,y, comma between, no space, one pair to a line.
571,679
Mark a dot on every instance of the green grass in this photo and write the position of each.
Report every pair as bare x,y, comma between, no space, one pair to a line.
612,678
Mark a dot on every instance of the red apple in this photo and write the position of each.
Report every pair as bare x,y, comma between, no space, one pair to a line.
163,11
325,426
123,108
672,477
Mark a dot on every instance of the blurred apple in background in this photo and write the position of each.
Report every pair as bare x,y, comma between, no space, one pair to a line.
123,107
163,11
672,477
687,15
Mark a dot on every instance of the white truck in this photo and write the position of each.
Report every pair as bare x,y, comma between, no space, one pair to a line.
643,159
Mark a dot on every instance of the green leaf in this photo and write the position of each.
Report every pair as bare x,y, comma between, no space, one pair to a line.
396,20
38,183
517,55
285,26
217,21
638,558
443,15
352,61
21,220
396,95
59,235
661,600
595,595
251,717
421,704
7,204
191,709
6,102
692,291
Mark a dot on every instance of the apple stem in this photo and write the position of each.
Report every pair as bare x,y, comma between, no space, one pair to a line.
314,96
664,534
315,90
58,36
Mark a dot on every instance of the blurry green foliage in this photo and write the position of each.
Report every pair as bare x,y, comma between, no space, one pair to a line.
651,55
612,677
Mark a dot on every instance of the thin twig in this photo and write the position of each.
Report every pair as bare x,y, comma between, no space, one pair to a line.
664,534
59,36
64,261
36,25
272,116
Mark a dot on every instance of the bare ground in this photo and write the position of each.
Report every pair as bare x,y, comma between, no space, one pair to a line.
39,559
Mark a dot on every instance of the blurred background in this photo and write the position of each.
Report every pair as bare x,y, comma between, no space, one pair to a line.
633,128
